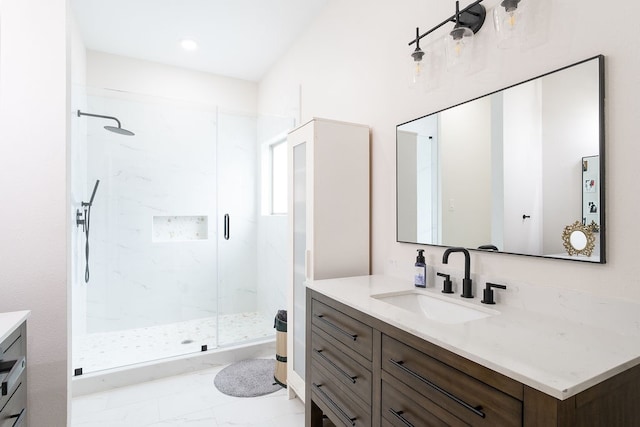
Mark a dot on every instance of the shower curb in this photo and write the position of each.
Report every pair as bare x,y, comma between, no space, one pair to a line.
142,372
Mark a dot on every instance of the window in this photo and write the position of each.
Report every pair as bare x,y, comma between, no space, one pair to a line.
274,177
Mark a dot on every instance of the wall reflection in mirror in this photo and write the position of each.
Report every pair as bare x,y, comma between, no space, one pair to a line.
510,169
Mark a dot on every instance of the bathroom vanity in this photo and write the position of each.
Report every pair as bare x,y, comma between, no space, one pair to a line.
13,369
376,361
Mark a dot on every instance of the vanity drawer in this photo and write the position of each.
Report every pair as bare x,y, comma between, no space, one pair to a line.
347,330
343,409
460,394
400,410
14,413
354,378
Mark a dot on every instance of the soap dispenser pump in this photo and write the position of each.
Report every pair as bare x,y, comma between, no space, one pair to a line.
420,276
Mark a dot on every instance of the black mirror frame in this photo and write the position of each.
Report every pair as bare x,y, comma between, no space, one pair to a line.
601,144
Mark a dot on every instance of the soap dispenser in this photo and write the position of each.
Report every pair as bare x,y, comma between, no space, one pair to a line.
420,276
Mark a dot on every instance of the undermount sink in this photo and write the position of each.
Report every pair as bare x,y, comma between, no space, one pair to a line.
434,307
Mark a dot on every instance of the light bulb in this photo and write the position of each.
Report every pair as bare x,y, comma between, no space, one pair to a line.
510,20
418,70
458,47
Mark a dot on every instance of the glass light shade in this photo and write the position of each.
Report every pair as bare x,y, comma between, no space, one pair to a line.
509,25
459,47
417,72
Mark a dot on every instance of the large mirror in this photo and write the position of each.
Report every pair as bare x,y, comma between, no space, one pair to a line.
510,170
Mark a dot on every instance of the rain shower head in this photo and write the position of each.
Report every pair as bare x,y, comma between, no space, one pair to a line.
119,130
114,129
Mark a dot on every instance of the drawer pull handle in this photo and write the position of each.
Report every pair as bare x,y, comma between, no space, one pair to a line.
227,227
398,415
337,328
20,418
475,410
15,368
336,367
351,421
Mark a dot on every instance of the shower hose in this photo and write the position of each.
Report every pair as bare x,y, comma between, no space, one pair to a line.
87,216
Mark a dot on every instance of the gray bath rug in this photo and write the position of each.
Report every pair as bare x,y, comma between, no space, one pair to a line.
247,378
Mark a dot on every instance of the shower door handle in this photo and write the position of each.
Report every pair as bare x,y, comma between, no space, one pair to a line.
226,227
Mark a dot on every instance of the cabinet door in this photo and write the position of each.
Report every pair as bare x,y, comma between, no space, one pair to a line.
300,151
299,254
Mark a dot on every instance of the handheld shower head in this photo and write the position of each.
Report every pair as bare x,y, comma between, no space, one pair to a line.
95,188
114,129
93,194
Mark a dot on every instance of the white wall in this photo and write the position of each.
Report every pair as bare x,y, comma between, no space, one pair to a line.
349,71
106,71
33,193
465,145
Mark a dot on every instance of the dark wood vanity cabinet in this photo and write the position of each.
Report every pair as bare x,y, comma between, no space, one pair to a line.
13,378
364,372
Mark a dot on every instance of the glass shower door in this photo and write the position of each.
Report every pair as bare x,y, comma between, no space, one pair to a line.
240,318
152,292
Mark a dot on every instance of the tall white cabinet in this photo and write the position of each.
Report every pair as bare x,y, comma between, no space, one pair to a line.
329,211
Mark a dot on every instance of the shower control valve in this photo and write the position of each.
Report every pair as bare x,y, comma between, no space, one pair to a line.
80,218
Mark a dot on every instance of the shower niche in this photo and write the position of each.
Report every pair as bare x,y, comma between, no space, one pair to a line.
180,228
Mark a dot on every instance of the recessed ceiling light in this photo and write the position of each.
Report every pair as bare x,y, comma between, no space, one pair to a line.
188,44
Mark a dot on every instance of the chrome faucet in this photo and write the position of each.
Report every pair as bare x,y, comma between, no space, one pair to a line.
467,290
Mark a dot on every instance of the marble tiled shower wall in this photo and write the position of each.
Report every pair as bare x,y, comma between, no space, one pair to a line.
182,162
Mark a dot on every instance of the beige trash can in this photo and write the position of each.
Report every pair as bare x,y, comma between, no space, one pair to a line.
280,323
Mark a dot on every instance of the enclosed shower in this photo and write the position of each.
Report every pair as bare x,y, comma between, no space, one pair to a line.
174,242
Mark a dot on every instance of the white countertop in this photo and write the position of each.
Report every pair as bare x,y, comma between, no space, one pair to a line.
554,354
10,321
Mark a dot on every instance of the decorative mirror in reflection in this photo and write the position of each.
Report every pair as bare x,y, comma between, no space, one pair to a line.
510,169
578,240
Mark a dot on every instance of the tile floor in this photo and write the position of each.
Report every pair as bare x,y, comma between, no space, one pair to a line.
99,351
184,400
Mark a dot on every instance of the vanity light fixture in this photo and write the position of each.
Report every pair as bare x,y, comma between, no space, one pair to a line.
459,42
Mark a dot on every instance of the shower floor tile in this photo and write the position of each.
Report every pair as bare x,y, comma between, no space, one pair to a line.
107,350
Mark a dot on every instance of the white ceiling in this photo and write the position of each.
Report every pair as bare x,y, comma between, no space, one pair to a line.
236,38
